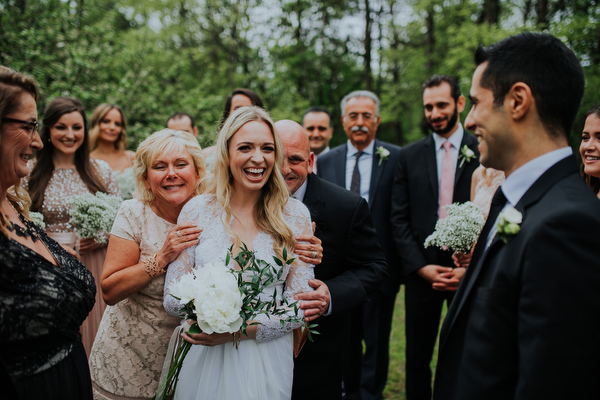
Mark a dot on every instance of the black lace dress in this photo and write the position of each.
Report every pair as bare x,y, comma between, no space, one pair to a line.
41,309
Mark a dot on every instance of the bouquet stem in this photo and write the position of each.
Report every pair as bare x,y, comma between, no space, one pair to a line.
167,389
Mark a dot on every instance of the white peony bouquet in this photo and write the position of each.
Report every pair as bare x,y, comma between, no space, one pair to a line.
459,230
93,215
223,300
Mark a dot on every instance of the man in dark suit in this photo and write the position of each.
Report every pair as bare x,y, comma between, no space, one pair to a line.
431,173
353,265
525,319
365,165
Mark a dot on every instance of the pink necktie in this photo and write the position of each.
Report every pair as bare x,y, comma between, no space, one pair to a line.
447,182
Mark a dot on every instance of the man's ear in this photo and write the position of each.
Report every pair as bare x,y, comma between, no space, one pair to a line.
519,100
460,103
311,162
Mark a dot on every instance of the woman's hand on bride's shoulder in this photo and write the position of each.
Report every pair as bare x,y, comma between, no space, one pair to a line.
179,238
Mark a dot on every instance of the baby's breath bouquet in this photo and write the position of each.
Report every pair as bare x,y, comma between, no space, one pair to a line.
126,182
459,230
38,219
222,300
93,215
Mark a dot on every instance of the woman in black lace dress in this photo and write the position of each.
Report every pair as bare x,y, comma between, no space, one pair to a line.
45,293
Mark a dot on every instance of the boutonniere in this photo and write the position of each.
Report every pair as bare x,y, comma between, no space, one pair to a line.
383,154
508,224
466,154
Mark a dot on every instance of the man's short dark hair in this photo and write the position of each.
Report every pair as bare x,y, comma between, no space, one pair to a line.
543,63
317,110
437,80
179,115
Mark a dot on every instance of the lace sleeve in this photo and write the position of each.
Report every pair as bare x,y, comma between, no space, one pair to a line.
184,262
296,281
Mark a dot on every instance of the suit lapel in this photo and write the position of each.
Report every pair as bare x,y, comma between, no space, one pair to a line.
312,197
340,165
461,169
431,164
376,172
554,174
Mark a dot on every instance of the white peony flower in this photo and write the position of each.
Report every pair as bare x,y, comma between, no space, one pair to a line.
217,300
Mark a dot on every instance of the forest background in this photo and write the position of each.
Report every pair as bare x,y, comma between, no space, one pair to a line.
154,57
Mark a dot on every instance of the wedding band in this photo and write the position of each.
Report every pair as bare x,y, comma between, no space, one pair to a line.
178,234
314,254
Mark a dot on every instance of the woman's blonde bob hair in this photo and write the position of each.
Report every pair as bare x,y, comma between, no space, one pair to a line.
165,141
97,117
270,207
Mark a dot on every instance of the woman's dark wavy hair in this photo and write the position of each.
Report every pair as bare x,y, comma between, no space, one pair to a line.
256,101
44,166
592,181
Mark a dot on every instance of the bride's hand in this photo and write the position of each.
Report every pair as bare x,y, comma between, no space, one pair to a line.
206,339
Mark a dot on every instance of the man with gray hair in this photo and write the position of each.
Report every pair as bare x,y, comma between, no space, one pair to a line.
365,165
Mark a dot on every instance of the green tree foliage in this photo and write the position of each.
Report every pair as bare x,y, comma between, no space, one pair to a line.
159,56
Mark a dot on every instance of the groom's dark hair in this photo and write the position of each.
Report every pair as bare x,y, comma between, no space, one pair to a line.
546,65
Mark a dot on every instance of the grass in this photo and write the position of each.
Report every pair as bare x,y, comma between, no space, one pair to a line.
395,388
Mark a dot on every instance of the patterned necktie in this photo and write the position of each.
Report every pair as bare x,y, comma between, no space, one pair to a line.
447,181
355,182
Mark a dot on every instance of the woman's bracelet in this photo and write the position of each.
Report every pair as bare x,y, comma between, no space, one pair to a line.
151,266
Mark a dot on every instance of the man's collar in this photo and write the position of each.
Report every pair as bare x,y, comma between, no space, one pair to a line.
353,150
517,184
455,139
299,194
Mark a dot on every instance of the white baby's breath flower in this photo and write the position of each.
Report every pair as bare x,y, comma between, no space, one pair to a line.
38,219
459,230
93,215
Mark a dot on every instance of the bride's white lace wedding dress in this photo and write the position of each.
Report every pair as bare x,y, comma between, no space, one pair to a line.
259,369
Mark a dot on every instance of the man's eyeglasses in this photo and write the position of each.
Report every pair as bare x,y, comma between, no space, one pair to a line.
32,126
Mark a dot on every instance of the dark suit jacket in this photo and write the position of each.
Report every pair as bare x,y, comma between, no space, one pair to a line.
415,198
353,267
332,167
524,323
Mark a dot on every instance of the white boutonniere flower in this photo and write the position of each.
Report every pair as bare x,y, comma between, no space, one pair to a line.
466,154
383,154
508,224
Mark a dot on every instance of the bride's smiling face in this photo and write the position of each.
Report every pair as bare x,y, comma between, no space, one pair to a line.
251,156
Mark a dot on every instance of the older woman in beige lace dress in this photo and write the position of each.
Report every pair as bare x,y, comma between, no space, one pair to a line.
132,340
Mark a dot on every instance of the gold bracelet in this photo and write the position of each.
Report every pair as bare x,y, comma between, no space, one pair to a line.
151,266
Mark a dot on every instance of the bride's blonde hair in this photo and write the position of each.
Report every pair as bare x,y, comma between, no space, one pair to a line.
270,207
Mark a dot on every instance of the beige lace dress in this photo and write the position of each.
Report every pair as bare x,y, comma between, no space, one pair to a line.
133,337
64,184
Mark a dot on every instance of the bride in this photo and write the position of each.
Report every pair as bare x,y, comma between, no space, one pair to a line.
246,202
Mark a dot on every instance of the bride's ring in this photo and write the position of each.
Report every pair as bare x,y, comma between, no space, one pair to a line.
179,234
314,254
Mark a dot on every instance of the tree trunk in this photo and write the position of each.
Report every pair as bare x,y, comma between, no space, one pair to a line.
491,12
541,10
368,23
429,40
